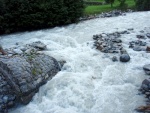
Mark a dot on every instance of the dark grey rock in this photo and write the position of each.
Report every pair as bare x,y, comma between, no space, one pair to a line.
147,69
140,36
117,40
148,35
124,58
114,59
22,75
38,45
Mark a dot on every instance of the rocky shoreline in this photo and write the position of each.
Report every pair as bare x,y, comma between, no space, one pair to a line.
23,71
111,44
113,13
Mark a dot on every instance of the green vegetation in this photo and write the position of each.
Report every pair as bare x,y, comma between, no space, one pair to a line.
96,9
21,15
143,5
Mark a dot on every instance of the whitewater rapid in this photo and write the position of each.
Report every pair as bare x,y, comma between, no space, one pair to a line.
89,82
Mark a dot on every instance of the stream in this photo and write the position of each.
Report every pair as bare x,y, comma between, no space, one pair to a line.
89,81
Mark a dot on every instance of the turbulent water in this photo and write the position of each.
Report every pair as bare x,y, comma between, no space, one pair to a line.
89,82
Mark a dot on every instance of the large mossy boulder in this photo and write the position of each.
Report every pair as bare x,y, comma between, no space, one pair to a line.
22,75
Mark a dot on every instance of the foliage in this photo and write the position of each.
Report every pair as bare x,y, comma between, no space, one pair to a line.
143,5
110,1
123,4
97,9
20,15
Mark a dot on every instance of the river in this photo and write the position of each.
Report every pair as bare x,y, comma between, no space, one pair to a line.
89,82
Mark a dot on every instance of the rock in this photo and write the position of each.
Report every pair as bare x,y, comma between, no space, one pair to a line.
17,51
140,36
124,58
137,48
145,109
148,35
117,40
147,69
148,48
145,84
114,59
38,45
123,51
22,75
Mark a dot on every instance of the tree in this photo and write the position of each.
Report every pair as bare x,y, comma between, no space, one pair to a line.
143,5
22,15
123,5
110,2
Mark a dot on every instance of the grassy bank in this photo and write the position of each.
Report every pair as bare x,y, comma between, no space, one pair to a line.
96,9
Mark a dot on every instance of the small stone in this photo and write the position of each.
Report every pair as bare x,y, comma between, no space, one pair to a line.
114,59
124,58
38,45
123,51
146,67
117,40
137,48
148,35
140,36
148,48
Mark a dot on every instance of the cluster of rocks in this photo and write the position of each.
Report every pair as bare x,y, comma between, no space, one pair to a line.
140,44
111,43
113,13
23,71
20,49
145,89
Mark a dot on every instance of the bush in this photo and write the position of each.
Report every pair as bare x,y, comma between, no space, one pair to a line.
143,5
21,15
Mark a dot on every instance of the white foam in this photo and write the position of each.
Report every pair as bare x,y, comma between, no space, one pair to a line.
88,82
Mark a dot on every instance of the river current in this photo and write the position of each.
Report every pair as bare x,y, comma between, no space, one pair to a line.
89,82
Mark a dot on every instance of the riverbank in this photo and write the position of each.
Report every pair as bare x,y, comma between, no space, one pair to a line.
90,82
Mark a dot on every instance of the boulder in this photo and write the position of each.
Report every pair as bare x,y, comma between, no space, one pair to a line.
22,75
124,58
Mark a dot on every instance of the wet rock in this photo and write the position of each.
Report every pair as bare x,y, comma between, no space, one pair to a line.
148,48
38,45
147,69
137,48
117,40
114,59
17,51
140,36
145,109
124,58
148,35
22,74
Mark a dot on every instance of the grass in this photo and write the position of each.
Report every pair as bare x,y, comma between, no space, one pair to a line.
97,9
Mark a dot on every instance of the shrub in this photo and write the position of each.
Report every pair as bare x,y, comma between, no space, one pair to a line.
20,15
143,5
